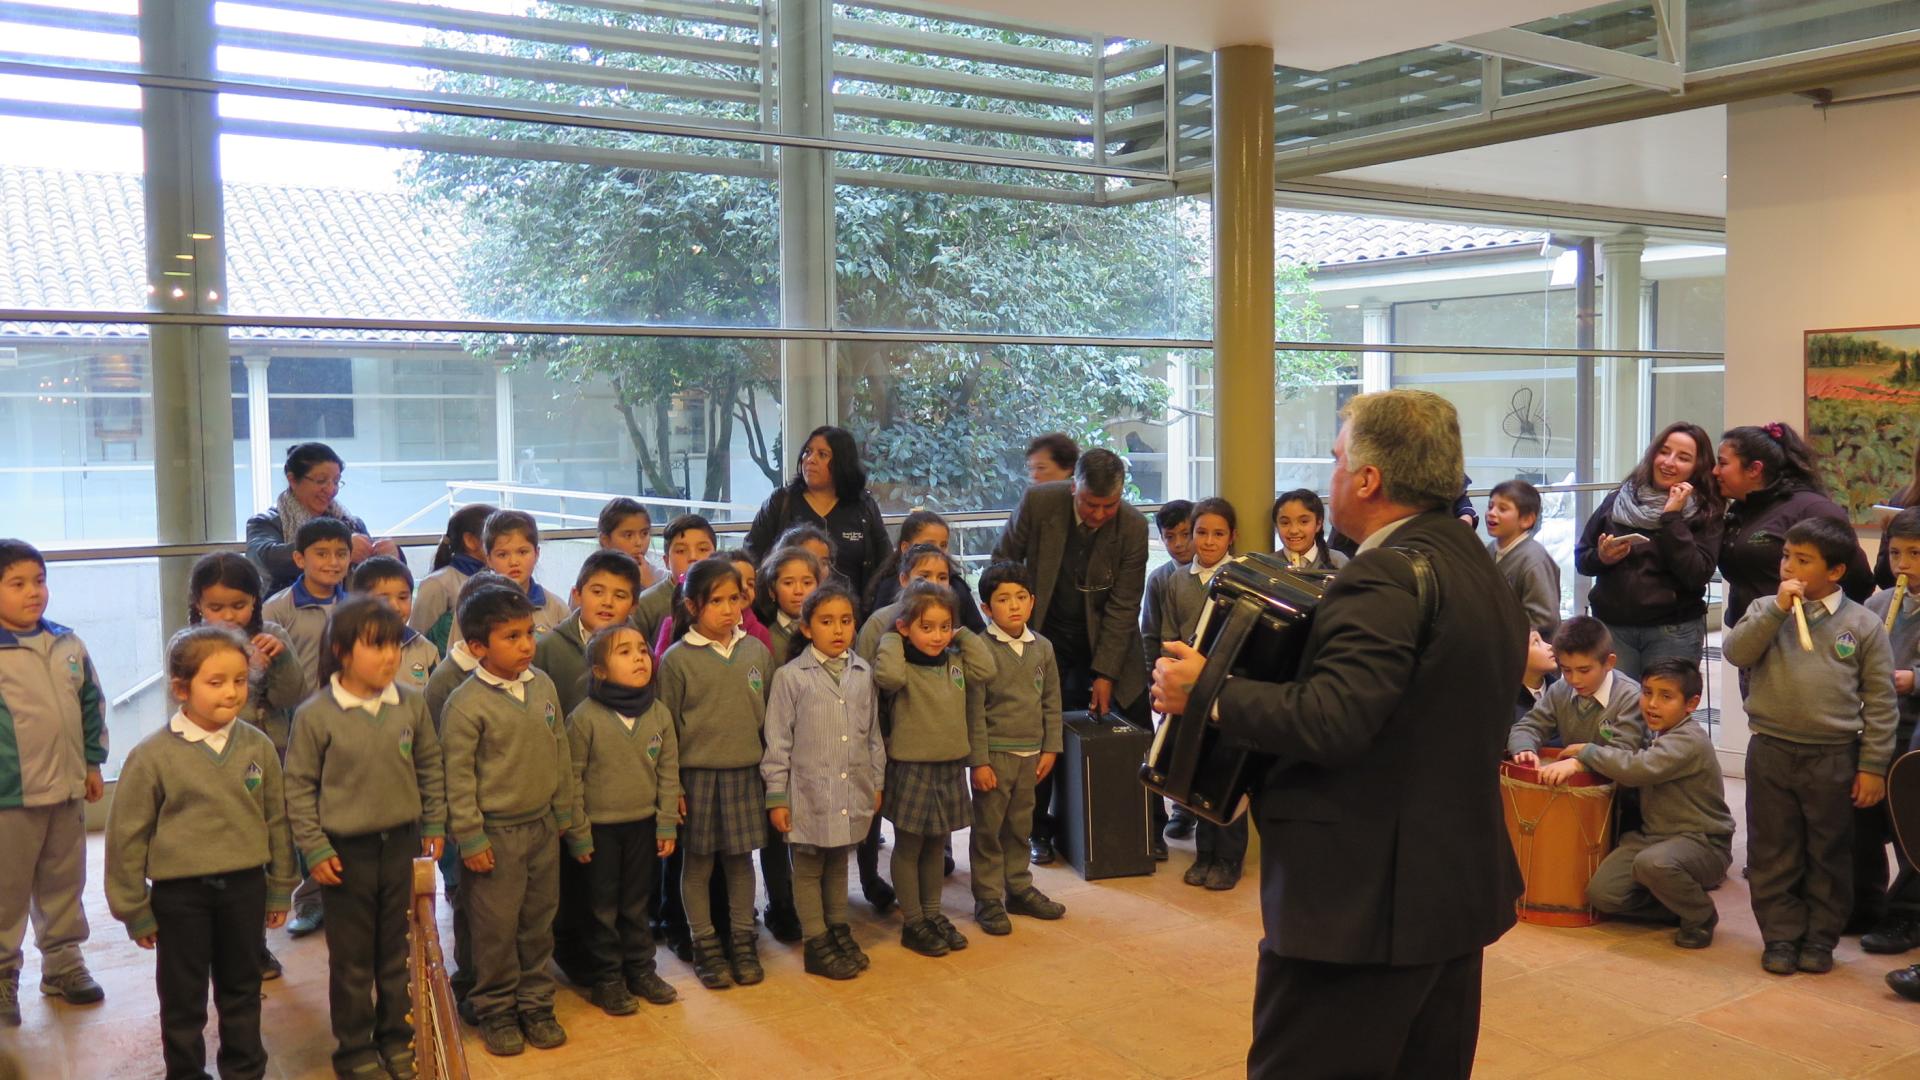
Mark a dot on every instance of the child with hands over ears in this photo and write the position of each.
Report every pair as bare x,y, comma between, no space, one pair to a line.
223,589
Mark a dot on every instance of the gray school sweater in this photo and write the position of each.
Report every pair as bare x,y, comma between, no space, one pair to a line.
273,694
418,657
508,762
780,640
1535,578
1839,692
939,710
562,653
447,677
305,621
1153,608
1905,643
181,811
654,606
719,704
622,775
1022,697
350,773
1678,775
1559,712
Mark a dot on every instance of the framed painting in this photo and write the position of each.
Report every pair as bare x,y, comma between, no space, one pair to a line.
1863,412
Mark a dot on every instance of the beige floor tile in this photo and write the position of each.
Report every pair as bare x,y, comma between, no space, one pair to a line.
1045,1053
1186,1035
1799,1023
1499,1056
829,1040
1688,1049
1904,1067
1552,1005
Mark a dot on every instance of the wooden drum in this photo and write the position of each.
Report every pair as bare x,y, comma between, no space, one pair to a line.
1560,833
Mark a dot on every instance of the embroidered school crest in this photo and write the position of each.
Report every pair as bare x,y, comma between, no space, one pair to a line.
1039,680
420,673
1845,645
550,714
754,680
406,743
958,676
653,747
73,668
255,776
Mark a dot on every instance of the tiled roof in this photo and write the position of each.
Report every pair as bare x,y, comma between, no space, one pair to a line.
1332,240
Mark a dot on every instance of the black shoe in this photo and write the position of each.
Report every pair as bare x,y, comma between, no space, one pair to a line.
843,937
651,987
823,957
992,917
612,997
501,1035
1815,959
746,959
1035,904
710,964
1894,935
467,1015
946,865
878,893
1196,874
400,1064
1781,958
1041,851
1905,982
1157,847
270,968
923,937
954,938
541,1030
784,924
1696,937
1179,824
1223,875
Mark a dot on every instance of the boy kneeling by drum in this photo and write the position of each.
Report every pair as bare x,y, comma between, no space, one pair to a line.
1686,840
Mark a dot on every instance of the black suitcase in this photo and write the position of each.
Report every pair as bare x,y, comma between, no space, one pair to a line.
1104,804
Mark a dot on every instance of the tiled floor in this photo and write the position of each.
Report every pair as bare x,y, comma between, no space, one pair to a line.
1146,977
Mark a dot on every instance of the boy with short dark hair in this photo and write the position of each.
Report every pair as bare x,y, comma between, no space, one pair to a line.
626,525
509,798
1591,703
323,550
687,539
1685,842
1513,516
603,594
53,719
388,580
1023,742
1823,721
1894,912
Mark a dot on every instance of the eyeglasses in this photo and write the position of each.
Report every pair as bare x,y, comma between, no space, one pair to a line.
337,483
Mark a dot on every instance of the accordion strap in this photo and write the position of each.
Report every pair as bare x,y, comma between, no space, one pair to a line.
1426,591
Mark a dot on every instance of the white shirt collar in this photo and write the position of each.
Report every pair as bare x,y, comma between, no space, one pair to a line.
1381,534
823,659
216,739
461,657
1604,692
1306,558
786,621
1500,550
348,700
1026,633
1205,573
1832,601
725,649
1538,693
516,687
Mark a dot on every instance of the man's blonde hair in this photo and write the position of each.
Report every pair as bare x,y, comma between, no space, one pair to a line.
1413,438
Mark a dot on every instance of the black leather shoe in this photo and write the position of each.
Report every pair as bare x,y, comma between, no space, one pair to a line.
1696,937
1815,959
710,964
1894,935
955,939
1157,845
541,1030
992,917
923,937
1196,874
1781,958
501,1035
822,957
1035,904
878,893
1180,824
1223,875
649,986
1905,982
1041,851
746,960
843,937
612,997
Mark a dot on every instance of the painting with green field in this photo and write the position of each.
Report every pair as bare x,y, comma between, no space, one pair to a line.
1863,412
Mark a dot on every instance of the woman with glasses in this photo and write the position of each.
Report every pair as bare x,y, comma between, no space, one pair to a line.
313,487
829,491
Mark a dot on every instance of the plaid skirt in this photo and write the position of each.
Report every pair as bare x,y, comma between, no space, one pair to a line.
928,797
726,811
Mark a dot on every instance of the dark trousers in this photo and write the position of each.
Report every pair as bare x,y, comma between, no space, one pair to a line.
1800,839
1076,693
207,929
573,922
1313,1019
619,883
1873,900
366,931
510,919
776,873
1224,843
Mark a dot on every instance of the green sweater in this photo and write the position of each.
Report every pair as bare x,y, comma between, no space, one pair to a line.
562,653
508,762
1562,713
447,677
350,773
1839,692
1678,774
181,811
939,711
1022,697
654,607
273,694
622,774
719,704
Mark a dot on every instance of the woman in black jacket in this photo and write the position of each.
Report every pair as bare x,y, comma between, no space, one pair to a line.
1650,549
829,490
1766,473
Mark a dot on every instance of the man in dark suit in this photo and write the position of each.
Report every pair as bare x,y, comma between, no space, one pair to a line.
1087,551
1385,868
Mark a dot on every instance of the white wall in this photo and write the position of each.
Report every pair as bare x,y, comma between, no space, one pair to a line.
1823,213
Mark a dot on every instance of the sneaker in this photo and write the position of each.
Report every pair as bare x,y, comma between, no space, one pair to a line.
923,937
501,1035
9,1003
1179,824
843,937
612,997
543,1032
1223,875
823,957
955,939
652,988
1196,874
746,960
1815,959
74,986
1894,935
305,921
710,964
1035,904
992,917
270,968
1781,958
784,924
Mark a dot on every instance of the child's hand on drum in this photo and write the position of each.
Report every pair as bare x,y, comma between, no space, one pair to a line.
1528,758
1561,771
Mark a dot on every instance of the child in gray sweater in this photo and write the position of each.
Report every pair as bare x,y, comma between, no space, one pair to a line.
935,678
198,853
1513,515
1591,703
787,578
603,594
388,580
1823,719
365,795
1895,910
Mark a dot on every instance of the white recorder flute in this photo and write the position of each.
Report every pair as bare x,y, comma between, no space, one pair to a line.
1800,622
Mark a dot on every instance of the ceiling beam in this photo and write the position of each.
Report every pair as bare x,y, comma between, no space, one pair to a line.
1527,46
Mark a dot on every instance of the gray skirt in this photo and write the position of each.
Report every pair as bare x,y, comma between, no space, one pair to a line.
928,797
726,811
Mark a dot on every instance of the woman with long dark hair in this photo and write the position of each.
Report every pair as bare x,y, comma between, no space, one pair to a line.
314,480
829,490
1766,472
1650,550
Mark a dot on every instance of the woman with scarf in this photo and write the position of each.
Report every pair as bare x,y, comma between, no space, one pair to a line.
1650,549
1767,475
313,480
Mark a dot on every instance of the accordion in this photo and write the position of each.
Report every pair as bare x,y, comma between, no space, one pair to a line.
1255,624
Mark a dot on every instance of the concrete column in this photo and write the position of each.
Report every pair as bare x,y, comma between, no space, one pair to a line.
266,478
807,382
1243,293
1620,402
1376,328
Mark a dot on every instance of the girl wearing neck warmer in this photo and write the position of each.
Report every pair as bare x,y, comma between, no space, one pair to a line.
1650,549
